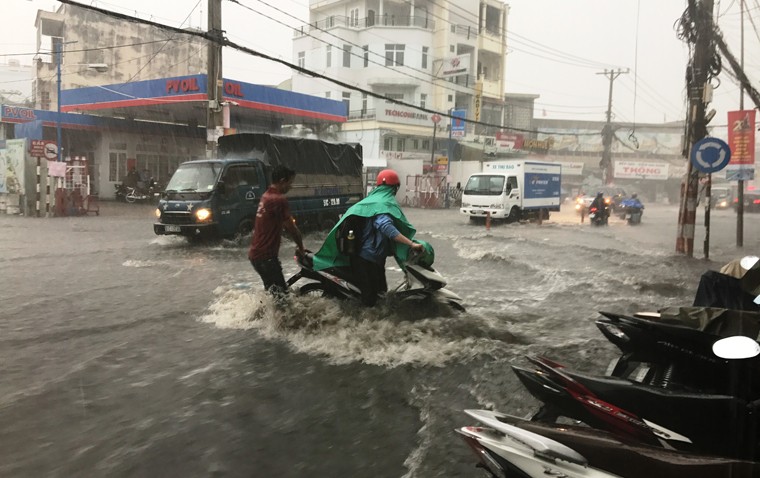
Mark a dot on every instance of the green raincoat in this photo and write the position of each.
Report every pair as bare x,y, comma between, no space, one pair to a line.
382,200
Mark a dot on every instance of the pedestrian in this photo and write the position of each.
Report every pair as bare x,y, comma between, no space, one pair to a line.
383,231
273,215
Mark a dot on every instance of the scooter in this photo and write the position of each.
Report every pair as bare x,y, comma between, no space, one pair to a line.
420,282
631,211
598,217
677,354
131,194
684,421
512,446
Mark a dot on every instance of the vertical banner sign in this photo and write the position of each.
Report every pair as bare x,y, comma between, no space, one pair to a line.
741,140
478,99
457,123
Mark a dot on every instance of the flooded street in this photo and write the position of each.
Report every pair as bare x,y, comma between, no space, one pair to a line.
128,354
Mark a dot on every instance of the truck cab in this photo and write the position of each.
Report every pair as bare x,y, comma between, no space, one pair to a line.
210,198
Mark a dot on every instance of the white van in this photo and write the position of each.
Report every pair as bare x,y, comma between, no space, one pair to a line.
513,190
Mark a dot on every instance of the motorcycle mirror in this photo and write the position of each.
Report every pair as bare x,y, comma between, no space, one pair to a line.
736,347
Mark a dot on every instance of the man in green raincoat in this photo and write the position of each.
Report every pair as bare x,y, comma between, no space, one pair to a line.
385,232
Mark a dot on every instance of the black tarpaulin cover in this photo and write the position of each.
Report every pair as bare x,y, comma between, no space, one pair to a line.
321,168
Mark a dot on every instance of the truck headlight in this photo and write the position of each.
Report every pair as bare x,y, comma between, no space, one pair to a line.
158,213
465,204
203,214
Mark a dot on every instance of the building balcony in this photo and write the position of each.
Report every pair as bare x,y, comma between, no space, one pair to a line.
386,20
491,88
491,41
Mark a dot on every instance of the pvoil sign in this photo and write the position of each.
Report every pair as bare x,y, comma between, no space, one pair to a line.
18,113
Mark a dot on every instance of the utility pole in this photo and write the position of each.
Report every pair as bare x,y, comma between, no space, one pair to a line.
607,133
214,116
697,79
740,185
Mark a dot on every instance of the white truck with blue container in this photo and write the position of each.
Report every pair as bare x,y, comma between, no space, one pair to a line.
513,190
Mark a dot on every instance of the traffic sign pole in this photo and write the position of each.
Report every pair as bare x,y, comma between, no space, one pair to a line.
709,155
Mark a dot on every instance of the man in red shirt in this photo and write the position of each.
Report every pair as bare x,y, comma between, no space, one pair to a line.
272,216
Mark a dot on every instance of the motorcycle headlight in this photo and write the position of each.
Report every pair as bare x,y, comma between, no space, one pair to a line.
606,200
578,206
158,213
203,214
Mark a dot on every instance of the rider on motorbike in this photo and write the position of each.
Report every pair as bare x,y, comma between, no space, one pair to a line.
384,231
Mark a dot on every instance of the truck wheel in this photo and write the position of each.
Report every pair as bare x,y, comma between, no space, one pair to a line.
544,214
327,223
245,228
514,214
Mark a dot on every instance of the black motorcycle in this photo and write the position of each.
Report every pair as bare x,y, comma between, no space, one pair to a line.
597,216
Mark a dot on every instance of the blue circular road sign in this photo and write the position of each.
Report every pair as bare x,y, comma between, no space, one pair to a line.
710,155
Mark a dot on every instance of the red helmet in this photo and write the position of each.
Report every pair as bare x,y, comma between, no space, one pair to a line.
388,177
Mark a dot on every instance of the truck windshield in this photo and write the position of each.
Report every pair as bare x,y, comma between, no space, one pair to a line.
485,185
196,177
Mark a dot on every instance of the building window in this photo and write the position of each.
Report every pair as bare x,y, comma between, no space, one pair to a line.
423,100
415,144
400,143
347,56
451,98
347,100
302,59
328,57
354,21
424,57
452,49
364,104
425,144
395,96
394,54
388,144
366,55
45,100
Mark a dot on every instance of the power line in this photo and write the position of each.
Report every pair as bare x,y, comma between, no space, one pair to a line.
112,47
225,42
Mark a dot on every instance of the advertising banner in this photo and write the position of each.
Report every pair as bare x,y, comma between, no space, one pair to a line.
741,140
641,170
542,185
457,123
12,166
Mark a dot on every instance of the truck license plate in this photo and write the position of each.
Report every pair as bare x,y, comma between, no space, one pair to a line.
171,228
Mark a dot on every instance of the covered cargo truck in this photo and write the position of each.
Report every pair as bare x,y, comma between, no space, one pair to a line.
219,197
513,190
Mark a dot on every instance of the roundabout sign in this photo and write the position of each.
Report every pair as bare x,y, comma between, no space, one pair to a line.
710,155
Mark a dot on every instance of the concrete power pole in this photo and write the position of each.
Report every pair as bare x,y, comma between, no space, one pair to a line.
214,116
607,133
697,83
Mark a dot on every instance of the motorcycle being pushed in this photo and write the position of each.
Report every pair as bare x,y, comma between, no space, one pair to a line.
132,194
421,282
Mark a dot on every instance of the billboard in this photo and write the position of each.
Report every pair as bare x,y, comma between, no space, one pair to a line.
741,140
455,66
12,155
641,170
457,123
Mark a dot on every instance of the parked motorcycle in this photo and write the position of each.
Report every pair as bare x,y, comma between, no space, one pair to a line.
511,446
132,194
651,415
421,282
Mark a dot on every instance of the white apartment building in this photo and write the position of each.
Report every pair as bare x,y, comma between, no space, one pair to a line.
437,54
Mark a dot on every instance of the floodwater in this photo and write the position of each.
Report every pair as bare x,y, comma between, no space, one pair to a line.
127,354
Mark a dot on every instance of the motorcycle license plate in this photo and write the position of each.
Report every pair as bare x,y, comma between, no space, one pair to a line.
592,215
171,228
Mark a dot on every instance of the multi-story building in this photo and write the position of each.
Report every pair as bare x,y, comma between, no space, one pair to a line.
432,54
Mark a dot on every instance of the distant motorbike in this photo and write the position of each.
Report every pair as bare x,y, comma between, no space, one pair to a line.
420,283
598,217
631,210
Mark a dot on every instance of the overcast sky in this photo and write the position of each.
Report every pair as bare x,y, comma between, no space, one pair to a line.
557,48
